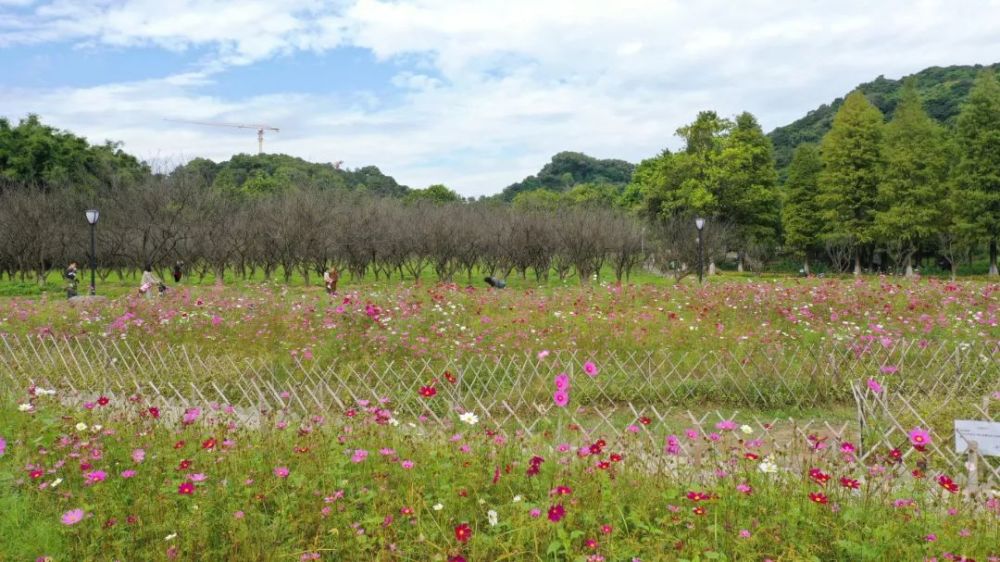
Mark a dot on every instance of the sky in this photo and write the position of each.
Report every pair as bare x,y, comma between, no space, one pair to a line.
475,94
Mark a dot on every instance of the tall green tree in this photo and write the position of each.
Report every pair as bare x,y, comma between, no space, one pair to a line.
800,213
745,190
914,183
436,193
852,166
978,175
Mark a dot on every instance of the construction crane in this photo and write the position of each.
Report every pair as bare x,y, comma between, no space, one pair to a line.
260,129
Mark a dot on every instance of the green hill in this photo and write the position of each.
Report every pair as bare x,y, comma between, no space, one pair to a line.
568,169
943,90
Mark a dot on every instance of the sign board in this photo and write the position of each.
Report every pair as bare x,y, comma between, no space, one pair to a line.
985,434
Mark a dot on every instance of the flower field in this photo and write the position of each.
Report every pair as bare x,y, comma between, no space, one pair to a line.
423,468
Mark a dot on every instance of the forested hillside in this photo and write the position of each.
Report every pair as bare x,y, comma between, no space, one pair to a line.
568,169
942,91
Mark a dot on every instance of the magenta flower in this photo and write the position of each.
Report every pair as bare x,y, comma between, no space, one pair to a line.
562,381
95,477
874,386
535,513
3,446
359,455
282,471
128,473
407,464
691,433
561,398
726,425
919,437
556,513
191,415
72,517
590,368
888,369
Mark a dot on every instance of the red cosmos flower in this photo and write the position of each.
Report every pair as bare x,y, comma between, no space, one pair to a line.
895,454
302,450
819,476
595,449
615,457
103,400
604,465
178,444
406,511
699,510
849,483
456,558
185,464
751,456
428,391
699,496
556,513
947,483
645,421
591,544
463,532
450,377
208,443
818,497
186,488
350,413
36,474
561,491
154,411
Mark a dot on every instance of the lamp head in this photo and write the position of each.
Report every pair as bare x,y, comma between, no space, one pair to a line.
93,215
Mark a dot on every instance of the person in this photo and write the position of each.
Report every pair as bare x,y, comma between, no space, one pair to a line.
330,278
150,281
495,283
71,282
178,271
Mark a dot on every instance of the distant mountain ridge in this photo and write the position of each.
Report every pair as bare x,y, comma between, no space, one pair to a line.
943,89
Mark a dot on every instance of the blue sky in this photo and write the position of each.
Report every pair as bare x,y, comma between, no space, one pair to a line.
474,94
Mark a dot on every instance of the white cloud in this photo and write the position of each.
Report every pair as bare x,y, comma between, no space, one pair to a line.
490,89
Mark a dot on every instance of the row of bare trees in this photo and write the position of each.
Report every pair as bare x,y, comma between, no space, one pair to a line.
169,220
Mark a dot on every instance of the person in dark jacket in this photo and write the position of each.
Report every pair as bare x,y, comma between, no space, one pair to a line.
178,272
495,283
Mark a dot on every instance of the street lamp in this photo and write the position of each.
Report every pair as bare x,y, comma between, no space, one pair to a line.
92,216
699,223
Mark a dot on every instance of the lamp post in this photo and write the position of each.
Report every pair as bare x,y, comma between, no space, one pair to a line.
92,216
699,223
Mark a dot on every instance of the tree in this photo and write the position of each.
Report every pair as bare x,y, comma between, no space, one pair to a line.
800,216
436,193
978,176
745,191
914,182
852,166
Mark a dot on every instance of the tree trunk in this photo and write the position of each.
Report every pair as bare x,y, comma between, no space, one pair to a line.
739,262
993,257
954,269
857,264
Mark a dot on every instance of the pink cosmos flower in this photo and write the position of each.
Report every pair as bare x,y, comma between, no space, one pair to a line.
95,477
359,455
128,473
282,471
239,515
191,415
726,425
691,433
931,537
919,437
561,398
562,381
3,446
407,464
138,455
535,513
874,386
543,354
888,369
590,368
197,477
744,534
72,517
632,428
673,445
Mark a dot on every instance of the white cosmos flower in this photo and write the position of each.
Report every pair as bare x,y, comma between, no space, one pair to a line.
170,537
96,428
45,392
24,407
469,418
55,482
767,466
393,422
438,506
517,498
81,426
746,429
493,517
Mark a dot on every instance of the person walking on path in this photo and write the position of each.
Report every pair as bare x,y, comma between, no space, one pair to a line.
330,278
71,282
150,281
178,272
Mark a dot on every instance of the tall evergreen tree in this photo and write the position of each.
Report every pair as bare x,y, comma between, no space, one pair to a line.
800,214
852,165
914,183
746,187
978,176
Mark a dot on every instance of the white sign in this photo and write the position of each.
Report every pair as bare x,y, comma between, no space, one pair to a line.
985,434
